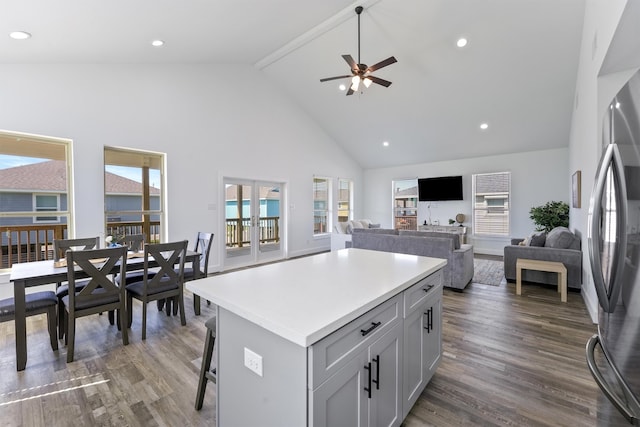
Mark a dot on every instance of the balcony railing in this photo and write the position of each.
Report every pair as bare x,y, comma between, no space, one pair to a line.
238,233
26,243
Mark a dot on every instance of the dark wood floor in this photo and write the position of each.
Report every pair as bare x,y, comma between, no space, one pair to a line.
508,360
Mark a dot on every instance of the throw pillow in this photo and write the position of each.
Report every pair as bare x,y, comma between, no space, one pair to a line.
538,239
374,225
562,238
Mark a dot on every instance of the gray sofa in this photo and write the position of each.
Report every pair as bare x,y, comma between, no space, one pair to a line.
560,245
459,269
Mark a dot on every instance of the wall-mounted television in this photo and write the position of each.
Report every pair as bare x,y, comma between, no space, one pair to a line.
440,188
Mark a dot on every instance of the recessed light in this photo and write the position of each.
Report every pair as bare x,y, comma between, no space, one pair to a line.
484,126
19,35
157,43
342,87
385,144
462,42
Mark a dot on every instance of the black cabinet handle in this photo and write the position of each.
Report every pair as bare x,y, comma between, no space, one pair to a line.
428,288
368,389
373,326
429,315
377,380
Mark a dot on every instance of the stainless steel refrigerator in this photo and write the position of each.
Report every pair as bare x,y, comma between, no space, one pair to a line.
613,355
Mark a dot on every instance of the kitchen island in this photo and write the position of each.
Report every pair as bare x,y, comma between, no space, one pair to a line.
348,337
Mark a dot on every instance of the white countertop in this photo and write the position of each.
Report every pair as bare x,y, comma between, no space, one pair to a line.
305,299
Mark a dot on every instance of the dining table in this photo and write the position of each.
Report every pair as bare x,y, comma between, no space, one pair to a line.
36,273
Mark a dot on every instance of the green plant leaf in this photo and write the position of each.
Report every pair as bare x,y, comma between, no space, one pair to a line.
550,215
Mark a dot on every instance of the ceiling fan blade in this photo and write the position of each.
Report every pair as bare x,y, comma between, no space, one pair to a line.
350,91
336,78
351,62
390,60
385,83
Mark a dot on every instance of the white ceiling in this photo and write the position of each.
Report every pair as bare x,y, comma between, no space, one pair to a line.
517,73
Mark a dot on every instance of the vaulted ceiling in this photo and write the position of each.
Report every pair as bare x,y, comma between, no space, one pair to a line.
517,72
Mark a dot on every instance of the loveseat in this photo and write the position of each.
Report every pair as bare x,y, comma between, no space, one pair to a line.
459,269
560,245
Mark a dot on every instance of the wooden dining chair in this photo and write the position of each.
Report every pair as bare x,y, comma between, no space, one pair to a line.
36,303
60,248
101,292
207,373
193,272
166,283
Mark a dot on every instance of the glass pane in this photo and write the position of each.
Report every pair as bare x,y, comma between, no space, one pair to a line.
28,167
238,219
269,218
133,189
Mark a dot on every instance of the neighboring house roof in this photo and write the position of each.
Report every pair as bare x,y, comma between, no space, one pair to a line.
52,176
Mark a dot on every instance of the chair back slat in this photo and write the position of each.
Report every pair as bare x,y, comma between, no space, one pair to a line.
61,246
134,242
98,264
203,245
166,255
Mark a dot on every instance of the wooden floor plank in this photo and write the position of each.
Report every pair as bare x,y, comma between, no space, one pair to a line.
508,361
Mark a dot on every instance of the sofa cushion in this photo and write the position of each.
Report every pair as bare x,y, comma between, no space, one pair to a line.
452,236
562,238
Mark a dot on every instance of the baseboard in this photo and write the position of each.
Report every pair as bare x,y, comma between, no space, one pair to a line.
590,303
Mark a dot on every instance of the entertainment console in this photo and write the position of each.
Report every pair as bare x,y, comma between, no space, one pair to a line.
454,229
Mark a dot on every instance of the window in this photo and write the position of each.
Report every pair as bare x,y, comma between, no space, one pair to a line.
133,193
321,205
33,180
491,194
405,204
46,203
345,200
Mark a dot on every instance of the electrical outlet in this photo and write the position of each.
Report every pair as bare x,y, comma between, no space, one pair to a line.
253,361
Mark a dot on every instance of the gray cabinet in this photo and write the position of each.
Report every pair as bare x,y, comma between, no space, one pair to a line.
422,334
355,373
372,371
366,390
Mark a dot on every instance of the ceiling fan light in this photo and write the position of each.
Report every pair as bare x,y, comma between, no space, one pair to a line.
355,82
367,81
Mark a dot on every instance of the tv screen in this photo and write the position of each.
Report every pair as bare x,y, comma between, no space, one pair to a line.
440,188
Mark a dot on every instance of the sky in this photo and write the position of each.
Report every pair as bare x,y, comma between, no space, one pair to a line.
130,173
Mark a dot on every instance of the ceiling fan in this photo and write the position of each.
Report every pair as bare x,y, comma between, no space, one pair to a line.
361,73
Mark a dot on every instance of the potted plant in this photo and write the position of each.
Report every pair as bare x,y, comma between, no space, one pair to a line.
550,215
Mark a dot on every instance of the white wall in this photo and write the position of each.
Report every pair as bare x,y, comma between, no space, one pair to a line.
593,94
536,178
212,121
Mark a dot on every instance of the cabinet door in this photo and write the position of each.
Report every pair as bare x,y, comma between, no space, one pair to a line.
413,379
342,399
385,406
432,327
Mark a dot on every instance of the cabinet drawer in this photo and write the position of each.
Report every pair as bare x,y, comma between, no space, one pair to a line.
331,353
416,294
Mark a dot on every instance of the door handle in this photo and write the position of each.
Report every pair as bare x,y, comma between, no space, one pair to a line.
602,382
374,325
429,315
368,388
610,158
377,380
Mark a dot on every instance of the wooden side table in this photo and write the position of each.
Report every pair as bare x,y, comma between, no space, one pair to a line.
551,266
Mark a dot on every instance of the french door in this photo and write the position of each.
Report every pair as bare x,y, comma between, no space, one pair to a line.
253,222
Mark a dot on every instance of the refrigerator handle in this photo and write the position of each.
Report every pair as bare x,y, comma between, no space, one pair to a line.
611,157
602,382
